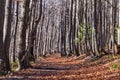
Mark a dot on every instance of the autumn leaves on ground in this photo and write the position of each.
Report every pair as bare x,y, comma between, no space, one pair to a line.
53,67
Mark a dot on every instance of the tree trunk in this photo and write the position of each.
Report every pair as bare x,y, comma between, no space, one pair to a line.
2,56
22,55
7,31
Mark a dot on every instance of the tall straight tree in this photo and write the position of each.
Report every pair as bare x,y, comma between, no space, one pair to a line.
23,61
36,20
2,56
7,31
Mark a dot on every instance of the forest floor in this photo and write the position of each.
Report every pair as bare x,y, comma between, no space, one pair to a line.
54,67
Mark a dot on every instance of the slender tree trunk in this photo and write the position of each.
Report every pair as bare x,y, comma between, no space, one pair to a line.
15,35
2,56
7,31
22,55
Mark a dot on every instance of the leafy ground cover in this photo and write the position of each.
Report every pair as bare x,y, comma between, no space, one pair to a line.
54,67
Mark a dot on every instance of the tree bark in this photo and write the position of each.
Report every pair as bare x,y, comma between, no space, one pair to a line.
22,55
7,31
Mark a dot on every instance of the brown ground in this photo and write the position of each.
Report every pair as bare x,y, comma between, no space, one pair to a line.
81,68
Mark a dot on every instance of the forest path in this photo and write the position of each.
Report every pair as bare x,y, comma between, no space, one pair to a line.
54,67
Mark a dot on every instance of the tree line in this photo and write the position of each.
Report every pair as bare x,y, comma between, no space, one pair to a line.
33,28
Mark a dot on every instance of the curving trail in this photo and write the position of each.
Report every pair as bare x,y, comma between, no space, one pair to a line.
54,67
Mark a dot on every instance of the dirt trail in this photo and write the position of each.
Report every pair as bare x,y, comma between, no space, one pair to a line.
56,68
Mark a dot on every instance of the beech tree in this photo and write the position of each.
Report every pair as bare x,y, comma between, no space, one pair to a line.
5,35
22,55
2,56
6,31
